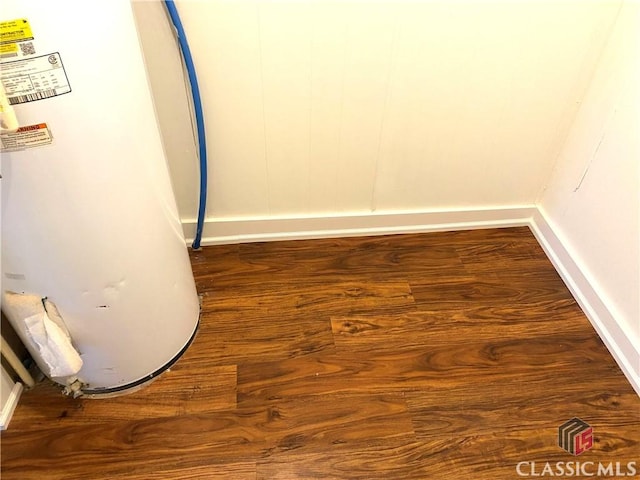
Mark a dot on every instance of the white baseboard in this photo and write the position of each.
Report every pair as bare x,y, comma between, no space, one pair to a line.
612,332
261,229
10,405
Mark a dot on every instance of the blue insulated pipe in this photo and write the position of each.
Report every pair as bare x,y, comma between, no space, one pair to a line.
197,106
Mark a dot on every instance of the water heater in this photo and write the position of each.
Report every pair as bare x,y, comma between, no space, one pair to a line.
89,220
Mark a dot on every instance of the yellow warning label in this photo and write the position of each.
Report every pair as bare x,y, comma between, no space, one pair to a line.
12,31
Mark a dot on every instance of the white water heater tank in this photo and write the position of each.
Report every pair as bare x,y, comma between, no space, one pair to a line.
89,219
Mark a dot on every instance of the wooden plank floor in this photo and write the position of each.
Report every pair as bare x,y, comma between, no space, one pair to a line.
442,355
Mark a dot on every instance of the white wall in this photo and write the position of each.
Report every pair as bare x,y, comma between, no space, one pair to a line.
592,200
347,117
172,100
326,108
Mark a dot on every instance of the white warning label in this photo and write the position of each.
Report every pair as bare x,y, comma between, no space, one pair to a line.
34,78
26,137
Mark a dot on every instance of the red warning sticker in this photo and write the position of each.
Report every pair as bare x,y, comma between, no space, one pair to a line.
28,136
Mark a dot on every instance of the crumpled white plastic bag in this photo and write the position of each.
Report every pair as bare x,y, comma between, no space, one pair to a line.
54,346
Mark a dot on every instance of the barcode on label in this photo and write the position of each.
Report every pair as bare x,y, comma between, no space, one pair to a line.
27,48
32,97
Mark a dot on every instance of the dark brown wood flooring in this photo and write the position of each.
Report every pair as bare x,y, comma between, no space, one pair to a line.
442,355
